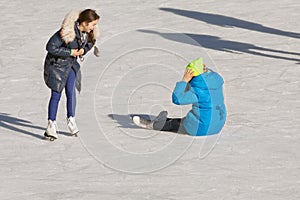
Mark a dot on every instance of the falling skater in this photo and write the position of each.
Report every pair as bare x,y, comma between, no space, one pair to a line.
201,87
75,38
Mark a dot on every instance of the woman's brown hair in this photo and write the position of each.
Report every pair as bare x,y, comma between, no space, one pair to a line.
88,15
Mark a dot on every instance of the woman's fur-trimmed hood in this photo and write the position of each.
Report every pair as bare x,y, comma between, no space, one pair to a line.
67,31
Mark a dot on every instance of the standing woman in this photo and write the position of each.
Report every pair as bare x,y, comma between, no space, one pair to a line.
75,38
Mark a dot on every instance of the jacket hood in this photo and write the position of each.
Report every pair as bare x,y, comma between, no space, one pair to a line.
208,81
67,31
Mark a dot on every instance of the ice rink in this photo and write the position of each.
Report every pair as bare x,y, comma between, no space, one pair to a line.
144,47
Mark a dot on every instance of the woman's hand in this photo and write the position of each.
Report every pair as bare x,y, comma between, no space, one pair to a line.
76,52
188,75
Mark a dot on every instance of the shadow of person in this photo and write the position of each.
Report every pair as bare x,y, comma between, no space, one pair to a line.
20,125
15,124
226,21
218,44
125,121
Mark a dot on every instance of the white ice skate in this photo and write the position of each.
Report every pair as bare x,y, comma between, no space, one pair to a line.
141,122
72,126
148,124
51,131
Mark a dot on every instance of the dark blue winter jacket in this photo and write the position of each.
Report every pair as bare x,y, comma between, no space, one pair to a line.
59,62
205,93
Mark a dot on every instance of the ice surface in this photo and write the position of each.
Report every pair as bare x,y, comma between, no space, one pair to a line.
144,47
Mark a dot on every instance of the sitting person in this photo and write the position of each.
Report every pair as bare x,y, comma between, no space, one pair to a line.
201,87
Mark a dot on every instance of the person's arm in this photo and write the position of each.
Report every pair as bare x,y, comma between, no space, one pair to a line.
182,97
54,46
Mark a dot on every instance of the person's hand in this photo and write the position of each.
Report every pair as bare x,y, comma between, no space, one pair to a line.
188,75
76,52
81,52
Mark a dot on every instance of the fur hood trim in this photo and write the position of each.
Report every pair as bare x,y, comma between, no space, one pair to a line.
67,31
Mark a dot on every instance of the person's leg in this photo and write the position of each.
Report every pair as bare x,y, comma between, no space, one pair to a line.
181,129
71,94
71,102
51,130
162,123
171,124
53,105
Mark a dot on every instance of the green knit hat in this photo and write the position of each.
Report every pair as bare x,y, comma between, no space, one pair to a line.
196,66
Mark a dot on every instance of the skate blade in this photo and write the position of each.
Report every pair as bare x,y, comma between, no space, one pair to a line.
49,137
75,134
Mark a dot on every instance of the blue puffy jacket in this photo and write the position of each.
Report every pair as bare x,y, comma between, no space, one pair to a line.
205,93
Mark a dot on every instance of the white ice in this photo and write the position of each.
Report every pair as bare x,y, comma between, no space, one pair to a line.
144,47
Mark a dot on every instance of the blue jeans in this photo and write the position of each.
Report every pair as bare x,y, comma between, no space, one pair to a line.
71,98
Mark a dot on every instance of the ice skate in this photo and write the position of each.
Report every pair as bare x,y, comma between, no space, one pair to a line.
160,120
148,124
50,132
162,116
72,126
141,122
